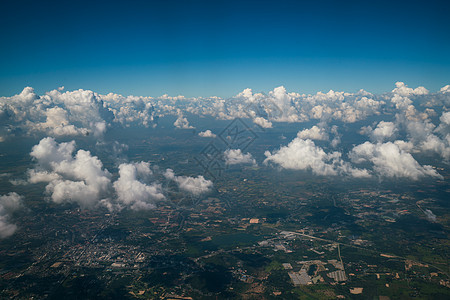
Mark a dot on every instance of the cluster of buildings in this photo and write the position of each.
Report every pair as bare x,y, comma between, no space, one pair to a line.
316,271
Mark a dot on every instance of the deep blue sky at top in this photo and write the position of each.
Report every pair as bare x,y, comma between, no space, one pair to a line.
206,48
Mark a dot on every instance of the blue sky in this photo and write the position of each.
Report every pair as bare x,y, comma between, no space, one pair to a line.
206,48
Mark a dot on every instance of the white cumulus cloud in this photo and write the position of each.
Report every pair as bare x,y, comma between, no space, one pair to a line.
73,113
302,154
262,122
132,189
80,178
195,186
8,204
314,133
207,134
384,131
235,157
390,161
403,90
182,123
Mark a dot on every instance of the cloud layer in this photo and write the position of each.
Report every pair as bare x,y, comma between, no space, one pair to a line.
405,121
83,112
355,135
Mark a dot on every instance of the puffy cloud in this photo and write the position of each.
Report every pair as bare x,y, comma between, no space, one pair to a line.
404,146
441,146
80,112
56,113
277,106
235,157
403,90
346,168
85,107
430,215
346,107
246,93
314,133
6,229
401,102
445,89
390,161
418,130
207,134
182,123
445,118
262,122
426,137
444,126
320,111
337,137
132,110
367,105
282,100
58,124
48,152
433,143
383,131
98,128
132,190
8,204
196,186
387,159
35,176
11,202
16,110
79,179
282,106
302,154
